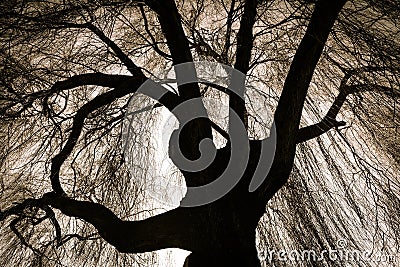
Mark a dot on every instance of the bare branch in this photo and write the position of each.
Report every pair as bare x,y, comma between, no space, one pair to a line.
318,129
329,121
290,105
169,100
170,229
154,43
243,54
135,70
171,25
51,23
229,22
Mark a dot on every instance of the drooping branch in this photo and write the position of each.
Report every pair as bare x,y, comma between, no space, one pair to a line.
18,211
54,23
13,227
123,86
129,86
97,79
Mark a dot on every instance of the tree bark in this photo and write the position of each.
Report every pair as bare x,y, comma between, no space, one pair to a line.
231,252
227,235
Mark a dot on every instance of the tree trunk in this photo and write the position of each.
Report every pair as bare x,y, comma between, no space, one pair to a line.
237,250
227,234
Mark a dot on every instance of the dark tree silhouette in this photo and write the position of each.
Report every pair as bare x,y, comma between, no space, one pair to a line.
70,68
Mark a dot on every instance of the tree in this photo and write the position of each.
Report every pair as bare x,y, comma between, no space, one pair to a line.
70,68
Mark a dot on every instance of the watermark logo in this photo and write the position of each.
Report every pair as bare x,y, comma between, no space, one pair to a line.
234,80
341,253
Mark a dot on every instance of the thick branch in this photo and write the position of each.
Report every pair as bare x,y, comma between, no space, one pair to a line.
290,105
99,79
170,20
171,25
175,228
318,129
229,22
245,36
291,102
153,40
243,53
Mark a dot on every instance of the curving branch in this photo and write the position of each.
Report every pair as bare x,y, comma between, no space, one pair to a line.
169,100
97,79
175,228
54,23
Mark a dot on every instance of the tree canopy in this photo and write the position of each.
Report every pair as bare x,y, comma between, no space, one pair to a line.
325,72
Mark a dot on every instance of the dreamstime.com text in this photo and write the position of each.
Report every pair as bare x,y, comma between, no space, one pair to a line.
340,254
